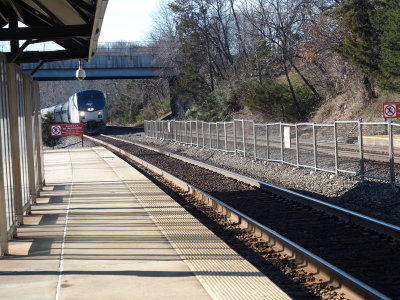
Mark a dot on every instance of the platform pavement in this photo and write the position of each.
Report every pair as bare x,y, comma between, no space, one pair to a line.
102,230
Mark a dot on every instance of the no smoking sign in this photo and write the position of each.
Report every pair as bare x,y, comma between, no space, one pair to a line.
55,130
391,110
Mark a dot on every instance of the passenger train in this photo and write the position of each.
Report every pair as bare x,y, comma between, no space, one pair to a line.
87,107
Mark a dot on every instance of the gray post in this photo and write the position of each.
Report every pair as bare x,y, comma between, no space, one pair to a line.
281,136
209,134
226,142
174,122
197,132
29,111
297,145
202,132
336,147
360,144
254,140
191,133
15,145
234,136
186,139
216,125
391,154
267,140
156,128
315,146
244,139
39,141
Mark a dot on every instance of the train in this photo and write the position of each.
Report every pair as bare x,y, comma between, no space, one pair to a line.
87,107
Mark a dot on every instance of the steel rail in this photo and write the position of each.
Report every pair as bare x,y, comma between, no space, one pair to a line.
303,257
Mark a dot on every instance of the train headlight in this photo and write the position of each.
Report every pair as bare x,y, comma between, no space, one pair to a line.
82,113
90,109
100,113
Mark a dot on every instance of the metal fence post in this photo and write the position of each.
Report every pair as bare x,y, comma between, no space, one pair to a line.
281,136
217,128
155,129
197,132
244,139
234,136
297,145
191,133
267,140
391,154
315,146
360,142
209,133
336,147
174,130
202,131
186,139
226,145
254,140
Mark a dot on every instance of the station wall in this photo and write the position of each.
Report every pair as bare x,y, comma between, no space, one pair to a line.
21,163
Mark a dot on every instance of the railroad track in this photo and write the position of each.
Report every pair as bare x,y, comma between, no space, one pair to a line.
295,228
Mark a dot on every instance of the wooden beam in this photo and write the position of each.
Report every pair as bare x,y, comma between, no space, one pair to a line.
37,56
26,33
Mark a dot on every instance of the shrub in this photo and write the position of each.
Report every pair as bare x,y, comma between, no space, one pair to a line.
48,140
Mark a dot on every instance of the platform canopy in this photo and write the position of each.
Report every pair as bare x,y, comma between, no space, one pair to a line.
73,24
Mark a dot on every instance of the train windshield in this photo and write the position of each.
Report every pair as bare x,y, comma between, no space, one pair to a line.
90,101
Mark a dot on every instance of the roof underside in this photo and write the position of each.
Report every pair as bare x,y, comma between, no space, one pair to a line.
73,24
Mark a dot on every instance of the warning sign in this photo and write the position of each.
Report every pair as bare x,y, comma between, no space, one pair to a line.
66,129
391,110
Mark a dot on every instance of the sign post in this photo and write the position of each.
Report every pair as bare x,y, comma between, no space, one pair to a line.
391,110
58,130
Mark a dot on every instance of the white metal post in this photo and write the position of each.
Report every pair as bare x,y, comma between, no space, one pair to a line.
191,133
209,133
297,145
281,136
225,137
391,154
217,128
361,148
315,146
234,136
267,140
244,139
254,140
336,147
202,132
186,139
197,132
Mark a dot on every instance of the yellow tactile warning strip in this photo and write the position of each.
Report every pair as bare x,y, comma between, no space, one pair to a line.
223,272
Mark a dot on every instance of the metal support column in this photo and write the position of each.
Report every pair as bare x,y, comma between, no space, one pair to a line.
244,139
39,140
15,143
29,111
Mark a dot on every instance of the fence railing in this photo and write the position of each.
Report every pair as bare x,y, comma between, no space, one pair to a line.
368,149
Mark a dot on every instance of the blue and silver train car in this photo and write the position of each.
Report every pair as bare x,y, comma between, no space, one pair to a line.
87,107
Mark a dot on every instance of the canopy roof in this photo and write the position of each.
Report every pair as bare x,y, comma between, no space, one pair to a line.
73,24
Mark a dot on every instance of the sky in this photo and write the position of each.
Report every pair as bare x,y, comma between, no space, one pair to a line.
128,20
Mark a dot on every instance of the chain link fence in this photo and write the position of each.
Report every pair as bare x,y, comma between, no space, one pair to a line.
368,149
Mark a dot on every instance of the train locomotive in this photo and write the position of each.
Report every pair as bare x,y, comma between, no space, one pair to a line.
87,107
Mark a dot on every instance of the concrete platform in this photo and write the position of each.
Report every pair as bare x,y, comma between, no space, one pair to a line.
101,230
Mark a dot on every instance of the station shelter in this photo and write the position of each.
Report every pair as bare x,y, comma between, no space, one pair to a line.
75,26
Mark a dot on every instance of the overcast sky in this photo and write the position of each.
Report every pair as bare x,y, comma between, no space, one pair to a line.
128,20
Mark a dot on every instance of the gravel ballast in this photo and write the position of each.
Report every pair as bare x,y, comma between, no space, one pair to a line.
377,199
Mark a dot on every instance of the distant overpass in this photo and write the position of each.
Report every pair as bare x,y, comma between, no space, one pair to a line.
109,63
